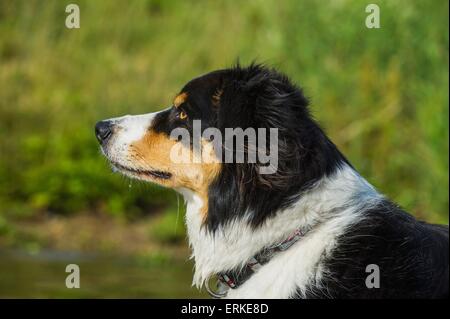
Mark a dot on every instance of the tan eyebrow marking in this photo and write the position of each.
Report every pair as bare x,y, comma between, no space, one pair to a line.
180,99
216,96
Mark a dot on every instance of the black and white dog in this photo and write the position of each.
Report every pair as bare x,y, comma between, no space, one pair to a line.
313,228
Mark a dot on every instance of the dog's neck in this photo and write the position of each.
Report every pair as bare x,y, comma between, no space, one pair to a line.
231,246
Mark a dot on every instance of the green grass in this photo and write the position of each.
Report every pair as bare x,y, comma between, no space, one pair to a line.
381,94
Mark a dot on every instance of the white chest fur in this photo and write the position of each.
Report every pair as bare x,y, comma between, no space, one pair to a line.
332,205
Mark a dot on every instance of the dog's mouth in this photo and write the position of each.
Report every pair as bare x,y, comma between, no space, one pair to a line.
141,172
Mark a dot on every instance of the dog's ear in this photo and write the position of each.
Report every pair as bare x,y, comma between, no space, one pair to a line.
238,92
258,98
263,100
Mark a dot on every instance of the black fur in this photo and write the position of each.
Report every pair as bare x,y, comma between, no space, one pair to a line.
412,258
258,97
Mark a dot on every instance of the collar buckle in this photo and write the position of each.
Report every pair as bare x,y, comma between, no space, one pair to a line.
219,292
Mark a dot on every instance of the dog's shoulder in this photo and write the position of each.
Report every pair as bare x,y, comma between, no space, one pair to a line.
410,257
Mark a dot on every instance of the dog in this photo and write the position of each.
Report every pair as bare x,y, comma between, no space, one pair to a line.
311,228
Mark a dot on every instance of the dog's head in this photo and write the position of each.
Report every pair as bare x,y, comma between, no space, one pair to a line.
191,144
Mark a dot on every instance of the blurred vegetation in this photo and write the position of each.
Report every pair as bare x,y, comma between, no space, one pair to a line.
382,94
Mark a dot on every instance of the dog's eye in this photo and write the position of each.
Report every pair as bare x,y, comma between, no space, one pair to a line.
182,115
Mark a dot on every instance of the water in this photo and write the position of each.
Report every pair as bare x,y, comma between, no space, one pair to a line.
43,275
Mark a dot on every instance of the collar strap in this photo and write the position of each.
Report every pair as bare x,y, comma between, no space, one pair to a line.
232,280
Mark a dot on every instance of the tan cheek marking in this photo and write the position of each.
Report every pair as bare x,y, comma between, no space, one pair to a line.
210,171
153,152
180,99
205,173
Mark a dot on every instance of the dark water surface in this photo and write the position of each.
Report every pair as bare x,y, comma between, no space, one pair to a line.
42,275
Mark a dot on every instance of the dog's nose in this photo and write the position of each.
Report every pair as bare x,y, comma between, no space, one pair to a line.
103,131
